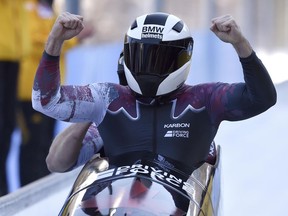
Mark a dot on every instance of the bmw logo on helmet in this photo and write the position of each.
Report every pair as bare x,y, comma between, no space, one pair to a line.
157,54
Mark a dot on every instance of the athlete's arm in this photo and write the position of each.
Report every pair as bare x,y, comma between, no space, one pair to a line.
73,147
242,100
66,103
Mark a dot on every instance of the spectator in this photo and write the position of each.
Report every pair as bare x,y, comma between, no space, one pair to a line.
12,48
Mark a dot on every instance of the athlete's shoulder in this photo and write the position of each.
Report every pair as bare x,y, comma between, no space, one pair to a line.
198,94
116,86
124,99
111,88
199,89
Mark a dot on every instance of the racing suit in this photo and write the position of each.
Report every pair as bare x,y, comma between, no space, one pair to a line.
180,125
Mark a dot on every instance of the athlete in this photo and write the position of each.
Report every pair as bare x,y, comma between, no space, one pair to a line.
156,113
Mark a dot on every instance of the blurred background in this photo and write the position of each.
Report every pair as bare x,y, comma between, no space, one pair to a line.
262,22
253,151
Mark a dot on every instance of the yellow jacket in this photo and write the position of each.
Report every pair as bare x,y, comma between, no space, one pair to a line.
13,30
40,22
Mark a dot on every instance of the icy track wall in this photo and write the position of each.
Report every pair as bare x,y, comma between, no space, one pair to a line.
44,197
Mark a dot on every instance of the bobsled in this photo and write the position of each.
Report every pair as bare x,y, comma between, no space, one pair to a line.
152,185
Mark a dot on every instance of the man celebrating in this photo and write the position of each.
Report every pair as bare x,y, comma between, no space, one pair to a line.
157,113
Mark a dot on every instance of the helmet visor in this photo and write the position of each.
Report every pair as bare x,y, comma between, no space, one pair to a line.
155,59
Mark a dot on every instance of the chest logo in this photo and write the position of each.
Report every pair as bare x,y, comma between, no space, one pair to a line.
176,130
177,134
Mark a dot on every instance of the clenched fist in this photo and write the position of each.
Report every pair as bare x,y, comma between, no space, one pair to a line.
227,30
66,26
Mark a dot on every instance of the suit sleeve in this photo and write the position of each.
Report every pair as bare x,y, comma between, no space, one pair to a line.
239,101
67,103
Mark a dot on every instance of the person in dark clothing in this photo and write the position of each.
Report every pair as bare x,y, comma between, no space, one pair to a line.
12,49
157,113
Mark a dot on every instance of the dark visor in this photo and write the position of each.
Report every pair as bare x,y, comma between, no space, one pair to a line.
155,59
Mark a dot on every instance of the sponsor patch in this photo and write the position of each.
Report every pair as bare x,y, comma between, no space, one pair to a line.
177,133
177,125
154,32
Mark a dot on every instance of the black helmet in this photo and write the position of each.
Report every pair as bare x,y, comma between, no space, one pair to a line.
157,54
